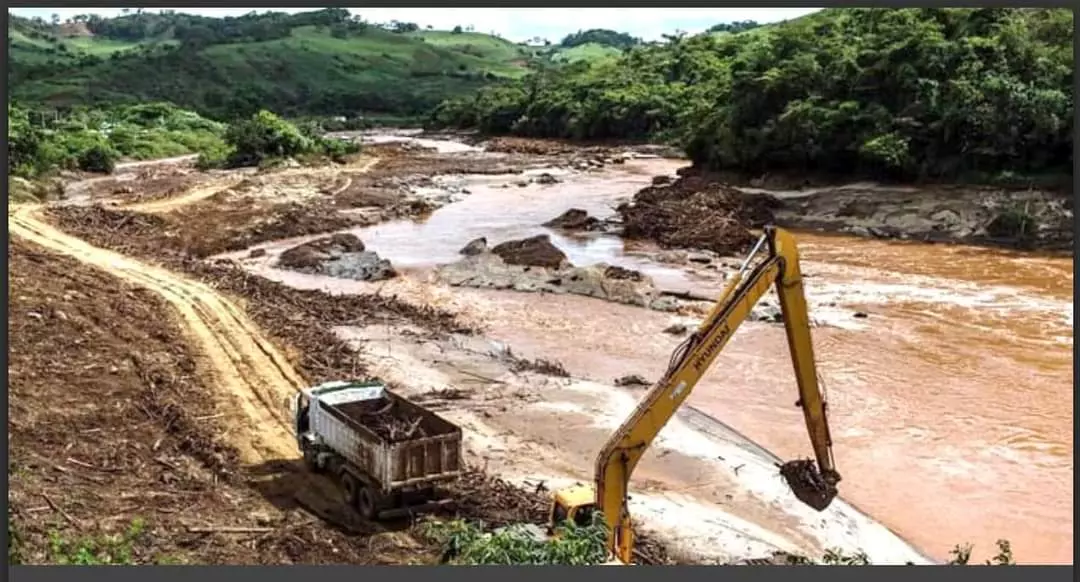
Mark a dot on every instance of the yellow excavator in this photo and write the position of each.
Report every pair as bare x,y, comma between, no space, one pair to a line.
814,485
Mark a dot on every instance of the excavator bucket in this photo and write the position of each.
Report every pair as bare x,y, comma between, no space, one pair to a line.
807,483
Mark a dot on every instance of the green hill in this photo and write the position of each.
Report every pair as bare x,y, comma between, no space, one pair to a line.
315,63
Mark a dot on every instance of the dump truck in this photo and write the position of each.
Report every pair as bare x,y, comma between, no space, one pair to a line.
391,456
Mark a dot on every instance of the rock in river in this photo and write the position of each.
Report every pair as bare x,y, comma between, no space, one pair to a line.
340,255
574,219
535,251
475,247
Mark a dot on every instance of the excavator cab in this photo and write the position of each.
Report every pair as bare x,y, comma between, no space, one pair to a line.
576,503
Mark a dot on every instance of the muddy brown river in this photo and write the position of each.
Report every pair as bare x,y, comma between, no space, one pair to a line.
951,402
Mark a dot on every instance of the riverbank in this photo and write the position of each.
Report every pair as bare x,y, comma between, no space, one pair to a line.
997,216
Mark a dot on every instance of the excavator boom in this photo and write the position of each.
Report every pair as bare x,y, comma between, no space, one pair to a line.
813,484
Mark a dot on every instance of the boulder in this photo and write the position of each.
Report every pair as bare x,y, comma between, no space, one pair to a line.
676,329
574,219
535,251
340,255
474,247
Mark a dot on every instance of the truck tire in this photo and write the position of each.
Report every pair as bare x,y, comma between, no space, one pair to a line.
351,486
311,461
366,503
359,496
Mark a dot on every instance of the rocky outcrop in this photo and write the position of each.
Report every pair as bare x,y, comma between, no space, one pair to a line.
340,255
489,271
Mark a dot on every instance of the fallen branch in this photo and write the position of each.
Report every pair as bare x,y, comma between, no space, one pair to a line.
230,530
687,295
61,511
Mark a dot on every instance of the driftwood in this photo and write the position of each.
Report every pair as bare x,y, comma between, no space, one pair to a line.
687,295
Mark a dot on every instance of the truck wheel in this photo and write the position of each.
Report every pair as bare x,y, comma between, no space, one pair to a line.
311,461
351,488
365,503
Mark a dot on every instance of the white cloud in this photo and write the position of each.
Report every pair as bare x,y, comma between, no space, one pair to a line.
516,23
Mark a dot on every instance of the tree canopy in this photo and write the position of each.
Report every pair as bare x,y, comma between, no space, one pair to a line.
915,92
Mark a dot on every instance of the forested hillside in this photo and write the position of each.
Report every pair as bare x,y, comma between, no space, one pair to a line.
322,62
930,93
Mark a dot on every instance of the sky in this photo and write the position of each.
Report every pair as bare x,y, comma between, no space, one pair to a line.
516,24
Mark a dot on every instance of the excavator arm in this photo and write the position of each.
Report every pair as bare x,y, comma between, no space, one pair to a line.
623,451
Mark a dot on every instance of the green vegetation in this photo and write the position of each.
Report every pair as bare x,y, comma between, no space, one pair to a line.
109,550
323,62
734,27
96,550
900,93
961,555
41,142
14,542
466,543
600,36
265,139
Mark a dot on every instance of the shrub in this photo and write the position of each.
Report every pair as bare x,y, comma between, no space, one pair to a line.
99,158
263,136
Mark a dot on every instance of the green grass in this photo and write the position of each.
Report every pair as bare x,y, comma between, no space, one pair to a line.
590,52
484,46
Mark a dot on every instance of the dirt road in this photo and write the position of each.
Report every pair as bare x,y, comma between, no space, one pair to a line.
190,197
247,367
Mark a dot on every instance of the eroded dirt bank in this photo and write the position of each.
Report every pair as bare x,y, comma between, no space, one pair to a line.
678,213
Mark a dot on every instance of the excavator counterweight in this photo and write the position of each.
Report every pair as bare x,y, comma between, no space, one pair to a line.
812,481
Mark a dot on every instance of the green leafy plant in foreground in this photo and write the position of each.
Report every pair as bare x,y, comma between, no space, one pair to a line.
467,543
108,550
961,555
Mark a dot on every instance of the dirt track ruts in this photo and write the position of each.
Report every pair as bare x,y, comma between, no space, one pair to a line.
243,363
206,191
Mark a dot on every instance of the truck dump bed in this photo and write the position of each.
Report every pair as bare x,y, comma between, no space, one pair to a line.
393,440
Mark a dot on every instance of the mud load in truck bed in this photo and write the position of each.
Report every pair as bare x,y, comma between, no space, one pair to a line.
393,419
380,444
